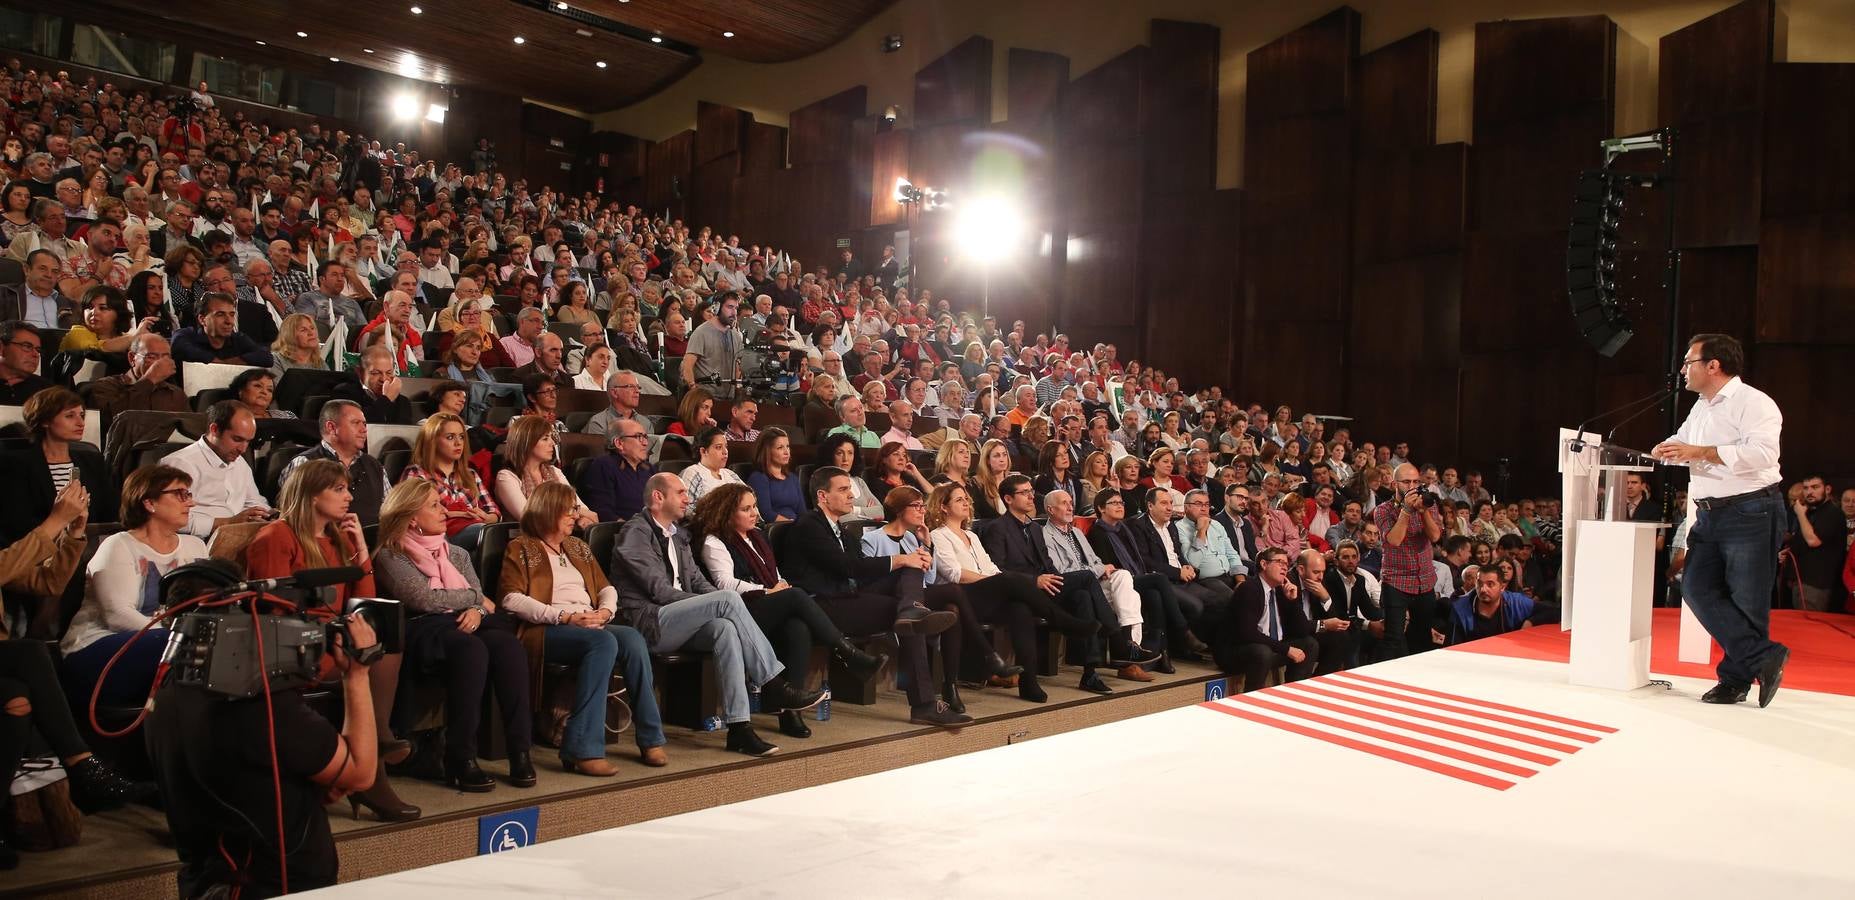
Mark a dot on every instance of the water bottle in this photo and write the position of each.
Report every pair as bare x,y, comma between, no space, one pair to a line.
712,723
824,707
753,701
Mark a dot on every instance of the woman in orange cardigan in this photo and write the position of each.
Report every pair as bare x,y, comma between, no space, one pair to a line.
314,529
552,583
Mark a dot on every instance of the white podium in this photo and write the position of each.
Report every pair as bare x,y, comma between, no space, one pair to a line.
1609,569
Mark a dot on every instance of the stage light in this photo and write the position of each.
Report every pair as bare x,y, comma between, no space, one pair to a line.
367,49
405,106
906,193
520,40
560,6
434,113
656,39
302,34
989,227
417,11
600,64
727,34
334,59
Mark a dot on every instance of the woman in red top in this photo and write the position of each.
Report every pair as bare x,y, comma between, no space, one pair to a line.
693,414
441,455
315,530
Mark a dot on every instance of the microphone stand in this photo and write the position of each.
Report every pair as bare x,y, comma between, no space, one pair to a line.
1577,443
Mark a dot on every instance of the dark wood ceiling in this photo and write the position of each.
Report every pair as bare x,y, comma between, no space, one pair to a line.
471,42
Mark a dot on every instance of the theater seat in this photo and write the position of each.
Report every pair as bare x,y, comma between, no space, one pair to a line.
491,546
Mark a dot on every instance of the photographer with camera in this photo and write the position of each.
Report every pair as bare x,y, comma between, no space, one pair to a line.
1411,526
225,765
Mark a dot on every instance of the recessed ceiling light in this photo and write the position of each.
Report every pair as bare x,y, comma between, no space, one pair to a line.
302,34
262,44
520,40
560,5
655,39
417,11
334,59
727,34
600,64
367,49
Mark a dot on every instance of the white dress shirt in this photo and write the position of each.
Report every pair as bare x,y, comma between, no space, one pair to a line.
1742,423
220,488
956,552
720,565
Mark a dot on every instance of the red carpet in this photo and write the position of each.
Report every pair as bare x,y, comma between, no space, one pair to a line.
1822,648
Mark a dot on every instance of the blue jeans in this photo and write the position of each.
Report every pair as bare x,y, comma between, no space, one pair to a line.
128,682
1732,560
597,651
720,624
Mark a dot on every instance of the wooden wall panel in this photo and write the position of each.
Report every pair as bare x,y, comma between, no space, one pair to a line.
957,87
1806,253
1528,70
1297,209
1099,129
711,195
820,132
667,187
1397,95
766,149
1818,429
1034,85
720,130
889,164
1712,89
1190,304
1181,108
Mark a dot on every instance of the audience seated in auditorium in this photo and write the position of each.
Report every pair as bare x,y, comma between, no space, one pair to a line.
147,385
737,556
1146,611
1266,627
19,363
529,454
216,339
668,598
452,632
441,455
777,488
710,470
257,389
224,492
1491,609
344,440
298,345
840,450
853,422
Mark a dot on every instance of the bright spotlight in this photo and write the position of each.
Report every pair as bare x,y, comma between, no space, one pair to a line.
405,106
989,227
434,113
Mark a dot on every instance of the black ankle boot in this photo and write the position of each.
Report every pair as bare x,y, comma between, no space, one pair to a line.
96,786
468,777
792,724
860,664
521,769
778,694
950,692
742,739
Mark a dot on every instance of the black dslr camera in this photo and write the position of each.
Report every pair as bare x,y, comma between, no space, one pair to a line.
219,646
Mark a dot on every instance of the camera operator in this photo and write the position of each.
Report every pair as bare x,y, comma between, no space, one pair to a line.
1407,575
212,757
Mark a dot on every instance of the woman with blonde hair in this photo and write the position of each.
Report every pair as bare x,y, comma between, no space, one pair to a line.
298,345
551,582
1096,475
953,463
529,456
820,411
441,455
994,465
1126,474
453,633
315,529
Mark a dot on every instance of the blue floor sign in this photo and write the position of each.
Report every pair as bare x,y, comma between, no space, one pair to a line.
1215,689
512,830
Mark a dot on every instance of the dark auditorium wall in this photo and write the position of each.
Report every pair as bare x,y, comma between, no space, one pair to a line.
1365,268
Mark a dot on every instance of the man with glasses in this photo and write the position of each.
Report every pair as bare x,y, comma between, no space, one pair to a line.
1267,628
19,363
542,398
612,485
147,385
224,492
592,334
1730,445
623,390
1235,519
1407,572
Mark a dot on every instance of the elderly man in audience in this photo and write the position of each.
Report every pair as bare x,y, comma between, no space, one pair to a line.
612,485
666,596
394,329
519,348
262,305
147,385
1141,609
224,492
1202,598
548,362
344,439
38,301
854,423
376,389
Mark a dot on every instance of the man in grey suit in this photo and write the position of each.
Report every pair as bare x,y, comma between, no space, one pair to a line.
664,595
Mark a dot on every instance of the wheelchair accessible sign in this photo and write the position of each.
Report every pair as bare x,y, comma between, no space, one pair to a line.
504,831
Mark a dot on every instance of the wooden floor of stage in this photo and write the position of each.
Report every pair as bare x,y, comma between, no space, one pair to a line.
126,853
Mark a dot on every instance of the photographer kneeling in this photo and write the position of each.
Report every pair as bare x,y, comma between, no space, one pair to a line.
213,759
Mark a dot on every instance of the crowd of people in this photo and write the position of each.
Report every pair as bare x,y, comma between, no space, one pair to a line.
946,471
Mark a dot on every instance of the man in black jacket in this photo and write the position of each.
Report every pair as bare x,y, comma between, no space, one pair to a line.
1353,592
1117,545
1202,600
1237,525
865,595
1015,543
1266,627
376,389
344,440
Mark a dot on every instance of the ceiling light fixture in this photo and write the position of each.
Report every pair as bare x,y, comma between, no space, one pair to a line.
520,40
334,59
417,11
600,64
367,49
656,39
560,6
262,44
302,34
727,34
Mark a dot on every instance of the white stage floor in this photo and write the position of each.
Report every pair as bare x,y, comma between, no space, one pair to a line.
1650,794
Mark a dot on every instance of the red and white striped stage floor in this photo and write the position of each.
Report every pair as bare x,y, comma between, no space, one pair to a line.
1450,774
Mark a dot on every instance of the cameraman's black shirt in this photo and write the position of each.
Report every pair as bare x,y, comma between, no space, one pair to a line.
212,759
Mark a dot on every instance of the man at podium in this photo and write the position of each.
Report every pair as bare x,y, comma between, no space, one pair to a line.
1730,445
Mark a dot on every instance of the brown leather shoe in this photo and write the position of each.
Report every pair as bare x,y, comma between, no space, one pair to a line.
1002,681
597,768
1133,673
653,757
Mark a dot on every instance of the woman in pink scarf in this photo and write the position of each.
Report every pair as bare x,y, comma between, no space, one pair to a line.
454,633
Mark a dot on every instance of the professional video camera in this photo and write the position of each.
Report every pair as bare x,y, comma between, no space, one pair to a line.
240,639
